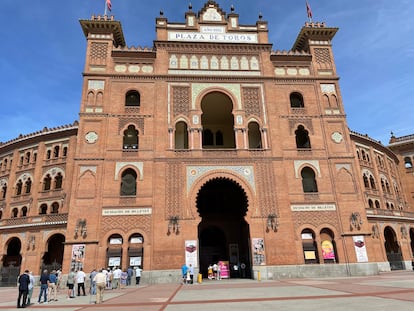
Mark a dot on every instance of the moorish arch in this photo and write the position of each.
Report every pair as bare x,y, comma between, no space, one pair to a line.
222,205
52,258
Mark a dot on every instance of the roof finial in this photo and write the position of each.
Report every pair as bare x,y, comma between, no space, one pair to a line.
260,16
232,8
190,6
161,13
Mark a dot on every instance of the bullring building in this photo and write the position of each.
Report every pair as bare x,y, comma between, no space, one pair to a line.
209,147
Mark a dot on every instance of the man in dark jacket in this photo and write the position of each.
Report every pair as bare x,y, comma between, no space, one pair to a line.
23,283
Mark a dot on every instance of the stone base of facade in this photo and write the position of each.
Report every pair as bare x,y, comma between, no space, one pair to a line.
284,272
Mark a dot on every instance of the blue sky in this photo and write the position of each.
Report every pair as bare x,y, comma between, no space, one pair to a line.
43,51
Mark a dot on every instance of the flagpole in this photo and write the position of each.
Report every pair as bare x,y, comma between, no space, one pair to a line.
105,8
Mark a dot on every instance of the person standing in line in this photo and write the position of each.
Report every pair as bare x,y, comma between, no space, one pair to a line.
52,286
80,279
58,279
191,271
71,284
138,271
31,286
116,278
23,283
44,284
92,289
100,281
130,273
124,279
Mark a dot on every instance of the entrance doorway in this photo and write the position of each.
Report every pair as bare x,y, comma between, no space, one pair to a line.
11,263
53,258
393,250
223,233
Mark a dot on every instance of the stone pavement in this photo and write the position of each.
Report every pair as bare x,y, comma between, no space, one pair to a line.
387,291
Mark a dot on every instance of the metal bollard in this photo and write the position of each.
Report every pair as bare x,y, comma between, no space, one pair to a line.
258,276
200,278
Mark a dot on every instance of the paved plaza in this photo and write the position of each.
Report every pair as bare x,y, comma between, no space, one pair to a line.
387,291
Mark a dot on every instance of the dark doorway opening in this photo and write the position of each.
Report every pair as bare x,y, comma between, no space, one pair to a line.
11,263
223,232
53,258
393,250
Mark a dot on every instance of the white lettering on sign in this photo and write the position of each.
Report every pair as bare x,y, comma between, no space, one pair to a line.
127,211
313,207
212,36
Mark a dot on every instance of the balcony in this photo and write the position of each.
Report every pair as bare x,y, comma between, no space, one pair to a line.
383,214
34,221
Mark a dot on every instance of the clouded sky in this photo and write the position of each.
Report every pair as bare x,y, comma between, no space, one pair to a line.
42,54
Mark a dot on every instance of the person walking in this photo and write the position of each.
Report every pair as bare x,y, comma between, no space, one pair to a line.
44,284
100,281
138,271
23,283
80,280
52,286
71,283
31,286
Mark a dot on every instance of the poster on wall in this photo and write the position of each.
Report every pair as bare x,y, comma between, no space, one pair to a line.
191,253
360,249
328,250
114,261
78,256
135,261
258,251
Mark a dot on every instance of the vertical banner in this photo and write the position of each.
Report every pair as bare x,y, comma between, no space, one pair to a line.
360,249
258,251
191,253
78,256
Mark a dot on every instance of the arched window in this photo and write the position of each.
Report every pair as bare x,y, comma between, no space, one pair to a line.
15,212
114,250
28,186
255,137
47,181
308,180
48,154
56,152
302,138
55,208
372,182
23,212
309,246
4,191
181,135
328,246
366,181
370,203
129,182
19,187
219,138
407,162
383,185
21,160
130,140
377,204
27,157
208,138
132,98
58,181
65,151
296,100
136,249
43,209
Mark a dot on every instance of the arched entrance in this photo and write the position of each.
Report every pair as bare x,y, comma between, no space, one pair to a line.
393,250
11,263
223,232
53,258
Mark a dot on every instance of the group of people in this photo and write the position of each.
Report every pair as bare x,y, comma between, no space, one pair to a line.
214,272
187,274
48,287
99,281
